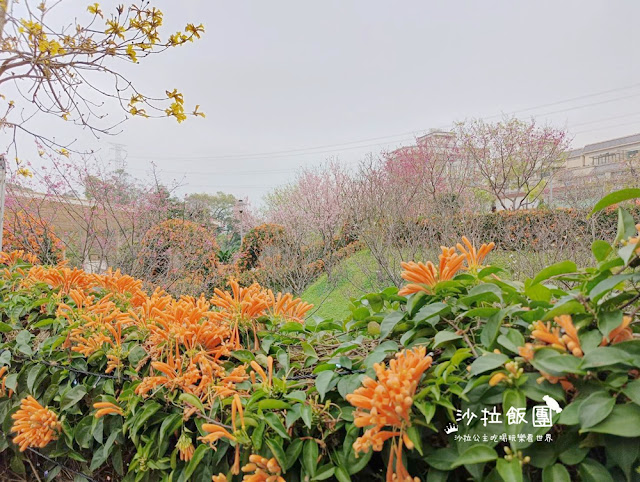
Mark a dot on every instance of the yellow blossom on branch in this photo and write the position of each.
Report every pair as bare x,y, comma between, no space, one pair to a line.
194,30
95,9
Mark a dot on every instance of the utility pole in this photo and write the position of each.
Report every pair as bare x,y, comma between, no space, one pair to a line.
3,181
240,211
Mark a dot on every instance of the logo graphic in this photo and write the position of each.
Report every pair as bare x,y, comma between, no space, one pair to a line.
450,428
552,404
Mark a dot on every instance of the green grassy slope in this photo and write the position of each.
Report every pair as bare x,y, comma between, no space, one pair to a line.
353,277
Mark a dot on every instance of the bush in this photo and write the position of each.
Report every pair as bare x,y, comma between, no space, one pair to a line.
178,255
135,386
25,232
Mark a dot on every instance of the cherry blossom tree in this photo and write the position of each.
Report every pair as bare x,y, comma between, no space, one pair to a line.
512,159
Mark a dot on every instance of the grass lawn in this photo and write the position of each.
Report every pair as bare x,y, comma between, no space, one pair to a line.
356,276
352,278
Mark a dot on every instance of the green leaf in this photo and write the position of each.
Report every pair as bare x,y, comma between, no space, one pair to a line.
510,471
603,356
592,471
100,455
193,401
349,383
82,433
623,452
342,474
600,249
5,328
442,459
443,337
194,462
556,364
476,454
555,473
608,321
615,198
276,449
595,408
430,311
323,382
622,421
73,396
257,435
291,326
293,453
307,415
570,307
563,267
149,409
486,292
245,356
608,284
487,362
389,323
169,425
276,424
414,436
632,390
310,457
273,404
325,472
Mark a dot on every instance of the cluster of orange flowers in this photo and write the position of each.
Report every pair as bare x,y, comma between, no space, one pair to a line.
242,307
35,425
32,235
384,406
12,257
259,469
564,337
186,340
423,277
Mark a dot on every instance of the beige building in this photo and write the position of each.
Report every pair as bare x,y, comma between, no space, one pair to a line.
594,170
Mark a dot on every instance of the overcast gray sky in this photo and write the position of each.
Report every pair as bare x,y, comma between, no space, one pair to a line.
276,76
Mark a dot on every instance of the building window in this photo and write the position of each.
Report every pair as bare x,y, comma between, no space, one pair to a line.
608,158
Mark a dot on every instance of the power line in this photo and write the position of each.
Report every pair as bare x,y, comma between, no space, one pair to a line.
298,151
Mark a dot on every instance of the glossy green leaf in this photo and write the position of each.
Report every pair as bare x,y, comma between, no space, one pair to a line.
615,198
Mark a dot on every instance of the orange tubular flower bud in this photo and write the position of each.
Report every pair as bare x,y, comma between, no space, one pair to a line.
497,378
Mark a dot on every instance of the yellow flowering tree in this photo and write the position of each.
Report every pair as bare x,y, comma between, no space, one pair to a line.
64,70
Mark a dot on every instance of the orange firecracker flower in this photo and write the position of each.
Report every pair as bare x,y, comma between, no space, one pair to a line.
35,425
474,257
219,478
423,277
215,433
3,376
570,338
384,406
266,379
286,307
261,469
12,257
620,333
548,335
240,308
106,408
